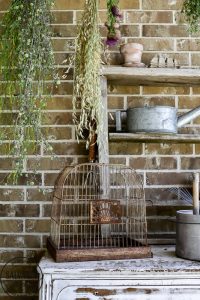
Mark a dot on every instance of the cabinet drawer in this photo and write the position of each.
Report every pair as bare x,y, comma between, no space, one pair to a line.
101,291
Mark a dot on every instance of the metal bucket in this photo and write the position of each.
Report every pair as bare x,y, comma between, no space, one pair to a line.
188,235
158,119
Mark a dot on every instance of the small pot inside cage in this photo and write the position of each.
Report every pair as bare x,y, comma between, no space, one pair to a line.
98,212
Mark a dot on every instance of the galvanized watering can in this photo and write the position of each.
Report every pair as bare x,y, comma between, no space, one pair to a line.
158,119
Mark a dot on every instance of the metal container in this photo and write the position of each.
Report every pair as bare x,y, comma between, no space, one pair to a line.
188,235
158,119
152,119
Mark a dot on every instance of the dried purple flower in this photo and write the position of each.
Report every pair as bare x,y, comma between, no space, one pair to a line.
115,11
111,41
114,18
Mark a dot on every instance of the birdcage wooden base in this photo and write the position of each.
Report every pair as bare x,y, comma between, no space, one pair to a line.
86,254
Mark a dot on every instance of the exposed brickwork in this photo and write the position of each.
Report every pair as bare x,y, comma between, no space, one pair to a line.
166,90
165,30
25,210
125,148
150,100
168,149
154,163
149,17
161,5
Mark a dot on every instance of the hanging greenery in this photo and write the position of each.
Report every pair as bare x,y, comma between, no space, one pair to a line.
87,90
191,9
26,62
114,17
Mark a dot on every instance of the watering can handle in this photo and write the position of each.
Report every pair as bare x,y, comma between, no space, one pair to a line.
119,120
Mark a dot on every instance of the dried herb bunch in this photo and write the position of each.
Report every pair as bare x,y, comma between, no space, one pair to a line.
87,91
191,9
114,17
26,62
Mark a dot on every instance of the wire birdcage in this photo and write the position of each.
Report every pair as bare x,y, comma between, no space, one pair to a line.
98,212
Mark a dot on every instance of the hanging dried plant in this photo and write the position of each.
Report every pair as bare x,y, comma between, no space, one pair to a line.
114,17
26,62
191,9
87,90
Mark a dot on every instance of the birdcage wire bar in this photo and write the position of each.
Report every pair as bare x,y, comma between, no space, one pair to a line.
98,206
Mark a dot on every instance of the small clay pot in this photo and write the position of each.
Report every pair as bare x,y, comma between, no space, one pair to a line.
132,53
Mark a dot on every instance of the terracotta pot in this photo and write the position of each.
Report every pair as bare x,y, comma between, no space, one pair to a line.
132,53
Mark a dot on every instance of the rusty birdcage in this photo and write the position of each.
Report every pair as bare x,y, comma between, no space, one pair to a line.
98,212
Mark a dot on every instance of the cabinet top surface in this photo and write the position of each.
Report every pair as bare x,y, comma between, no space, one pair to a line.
163,260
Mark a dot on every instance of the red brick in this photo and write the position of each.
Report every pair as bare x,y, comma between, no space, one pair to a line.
62,17
161,5
136,101
19,241
4,4
168,149
125,148
149,17
127,90
58,133
169,178
190,163
64,31
39,194
37,226
7,225
166,90
49,163
11,194
165,30
58,118
146,163
49,179
70,148
7,255
19,210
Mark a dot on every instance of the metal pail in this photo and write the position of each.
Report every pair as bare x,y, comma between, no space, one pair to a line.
188,235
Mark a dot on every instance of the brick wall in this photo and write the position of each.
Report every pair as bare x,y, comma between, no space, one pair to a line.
25,210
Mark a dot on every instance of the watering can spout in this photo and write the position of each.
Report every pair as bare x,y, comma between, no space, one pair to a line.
189,116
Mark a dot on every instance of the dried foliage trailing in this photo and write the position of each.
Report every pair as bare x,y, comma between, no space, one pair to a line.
26,62
87,90
191,9
114,17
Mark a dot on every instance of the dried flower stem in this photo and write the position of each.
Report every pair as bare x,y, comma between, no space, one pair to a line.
87,90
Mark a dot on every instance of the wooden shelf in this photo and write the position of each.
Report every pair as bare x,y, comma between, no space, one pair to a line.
119,75
151,76
155,138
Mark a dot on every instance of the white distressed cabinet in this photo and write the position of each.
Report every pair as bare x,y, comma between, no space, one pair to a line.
163,277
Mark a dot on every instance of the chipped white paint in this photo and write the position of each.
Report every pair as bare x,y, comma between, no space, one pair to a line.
163,277
127,293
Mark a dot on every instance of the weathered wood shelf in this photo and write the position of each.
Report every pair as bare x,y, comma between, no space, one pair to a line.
155,138
151,76
119,75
